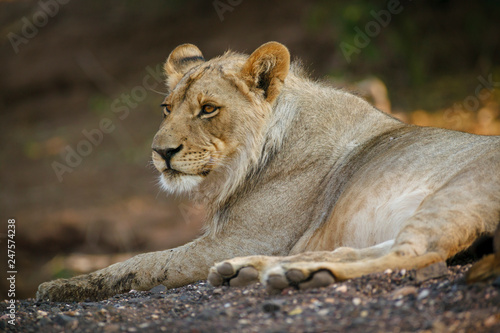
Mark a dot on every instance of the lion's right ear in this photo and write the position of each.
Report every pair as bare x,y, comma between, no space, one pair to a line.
182,59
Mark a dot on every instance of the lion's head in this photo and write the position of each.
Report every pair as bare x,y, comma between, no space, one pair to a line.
215,114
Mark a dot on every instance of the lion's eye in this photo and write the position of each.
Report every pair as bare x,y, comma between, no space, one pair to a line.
208,109
167,108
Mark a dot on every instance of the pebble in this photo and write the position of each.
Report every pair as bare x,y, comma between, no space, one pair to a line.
217,291
341,289
158,289
404,291
323,312
111,328
491,320
271,306
42,313
356,301
72,313
295,311
431,272
423,294
64,320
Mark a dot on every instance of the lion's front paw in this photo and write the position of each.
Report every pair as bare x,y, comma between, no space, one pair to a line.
75,289
48,291
56,291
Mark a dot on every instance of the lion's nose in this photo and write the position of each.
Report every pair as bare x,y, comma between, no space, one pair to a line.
167,154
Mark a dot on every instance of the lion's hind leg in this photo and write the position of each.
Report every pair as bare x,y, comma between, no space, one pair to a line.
242,271
315,269
305,275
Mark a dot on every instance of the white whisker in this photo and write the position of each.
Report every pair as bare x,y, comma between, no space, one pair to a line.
158,92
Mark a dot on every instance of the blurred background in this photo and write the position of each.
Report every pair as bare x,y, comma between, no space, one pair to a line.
81,84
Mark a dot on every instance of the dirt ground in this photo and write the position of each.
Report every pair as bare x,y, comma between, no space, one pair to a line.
399,301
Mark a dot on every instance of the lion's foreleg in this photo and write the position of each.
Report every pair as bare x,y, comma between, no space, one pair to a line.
173,268
141,272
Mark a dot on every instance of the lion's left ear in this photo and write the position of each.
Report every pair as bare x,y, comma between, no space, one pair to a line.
180,61
266,69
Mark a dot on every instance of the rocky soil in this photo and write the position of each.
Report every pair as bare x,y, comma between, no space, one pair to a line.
401,301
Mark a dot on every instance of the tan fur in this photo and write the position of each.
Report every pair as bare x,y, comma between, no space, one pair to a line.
488,268
286,165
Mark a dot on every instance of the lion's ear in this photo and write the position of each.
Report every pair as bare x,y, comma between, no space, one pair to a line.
267,68
182,59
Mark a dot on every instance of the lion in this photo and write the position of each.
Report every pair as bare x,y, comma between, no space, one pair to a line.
304,184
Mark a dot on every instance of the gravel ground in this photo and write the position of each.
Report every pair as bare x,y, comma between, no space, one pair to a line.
399,301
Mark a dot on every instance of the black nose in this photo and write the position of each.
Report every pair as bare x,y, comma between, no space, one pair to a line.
167,154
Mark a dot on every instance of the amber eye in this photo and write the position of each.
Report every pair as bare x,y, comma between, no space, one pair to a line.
167,108
208,109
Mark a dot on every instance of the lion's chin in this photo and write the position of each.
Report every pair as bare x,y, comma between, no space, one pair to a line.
177,183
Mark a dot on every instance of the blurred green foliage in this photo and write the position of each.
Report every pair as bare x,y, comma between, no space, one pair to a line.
423,44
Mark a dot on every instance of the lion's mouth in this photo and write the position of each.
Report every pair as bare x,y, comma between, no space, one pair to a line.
171,172
175,173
